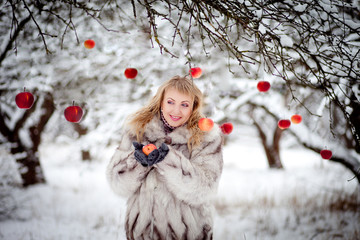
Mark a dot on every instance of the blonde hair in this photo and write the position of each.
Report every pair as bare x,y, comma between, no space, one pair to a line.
139,119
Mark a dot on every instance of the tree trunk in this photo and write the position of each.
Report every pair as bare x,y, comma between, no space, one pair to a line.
81,130
272,150
26,153
355,118
30,168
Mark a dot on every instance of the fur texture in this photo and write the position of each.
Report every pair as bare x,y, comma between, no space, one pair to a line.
172,199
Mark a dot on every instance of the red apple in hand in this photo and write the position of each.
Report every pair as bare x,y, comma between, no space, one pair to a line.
195,72
148,149
263,86
73,113
284,123
24,100
131,73
296,119
227,128
326,154
89,44
206,124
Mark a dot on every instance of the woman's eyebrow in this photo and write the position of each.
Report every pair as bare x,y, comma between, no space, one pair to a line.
169,98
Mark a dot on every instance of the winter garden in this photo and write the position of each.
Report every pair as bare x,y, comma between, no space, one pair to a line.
277,182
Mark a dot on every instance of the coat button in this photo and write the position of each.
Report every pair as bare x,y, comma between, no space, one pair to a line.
168,140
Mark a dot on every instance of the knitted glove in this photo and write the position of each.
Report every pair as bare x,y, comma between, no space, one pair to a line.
157,155
140,155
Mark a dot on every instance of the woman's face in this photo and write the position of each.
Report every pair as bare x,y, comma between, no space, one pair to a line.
176,107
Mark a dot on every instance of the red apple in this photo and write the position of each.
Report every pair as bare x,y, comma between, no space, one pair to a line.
89,44
284,123
131,73
296,119
148,149
206,124
195,72
263,86
227,128
24,100
326,154
73,113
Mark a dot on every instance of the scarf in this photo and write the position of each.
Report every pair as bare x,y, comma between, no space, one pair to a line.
167,127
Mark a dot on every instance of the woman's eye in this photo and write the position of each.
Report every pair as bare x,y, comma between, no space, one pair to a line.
185,105
170,102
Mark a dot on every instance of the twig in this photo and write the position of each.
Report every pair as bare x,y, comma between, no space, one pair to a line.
13,38
38,27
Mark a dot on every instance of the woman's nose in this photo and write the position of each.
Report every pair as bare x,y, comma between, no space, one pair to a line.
177,109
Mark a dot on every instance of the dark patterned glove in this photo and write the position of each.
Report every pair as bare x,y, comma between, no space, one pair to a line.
158,155
139,155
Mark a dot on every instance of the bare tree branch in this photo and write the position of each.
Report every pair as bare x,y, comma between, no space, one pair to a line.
38,27
19,27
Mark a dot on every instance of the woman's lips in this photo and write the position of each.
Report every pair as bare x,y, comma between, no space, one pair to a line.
175,118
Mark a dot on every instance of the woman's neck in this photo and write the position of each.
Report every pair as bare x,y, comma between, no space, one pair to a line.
167,127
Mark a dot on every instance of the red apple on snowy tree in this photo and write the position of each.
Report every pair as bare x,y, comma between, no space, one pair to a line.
296,119
227,128
89,44
195,72
24,100
263,86
73,113
326,154
284,123
131,73
206,124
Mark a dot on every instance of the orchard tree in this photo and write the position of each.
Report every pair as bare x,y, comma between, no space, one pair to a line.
44,52
30,26
306,44
308,50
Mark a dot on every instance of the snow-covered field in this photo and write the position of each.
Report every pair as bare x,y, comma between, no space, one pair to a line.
310,199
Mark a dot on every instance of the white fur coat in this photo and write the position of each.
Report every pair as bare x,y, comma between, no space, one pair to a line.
171,199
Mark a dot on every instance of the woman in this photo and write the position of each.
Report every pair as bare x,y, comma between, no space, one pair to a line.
170,190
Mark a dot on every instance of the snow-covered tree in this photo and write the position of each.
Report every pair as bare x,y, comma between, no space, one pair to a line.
310,47
308,50
28,27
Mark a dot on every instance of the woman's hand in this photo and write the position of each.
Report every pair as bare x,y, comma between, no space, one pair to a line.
156,156
140,155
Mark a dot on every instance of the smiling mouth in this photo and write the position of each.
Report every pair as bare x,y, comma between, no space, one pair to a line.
175,118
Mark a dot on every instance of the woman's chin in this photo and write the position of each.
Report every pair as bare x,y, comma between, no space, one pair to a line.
175,124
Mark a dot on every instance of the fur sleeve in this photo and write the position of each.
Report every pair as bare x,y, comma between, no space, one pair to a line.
194,180
124,173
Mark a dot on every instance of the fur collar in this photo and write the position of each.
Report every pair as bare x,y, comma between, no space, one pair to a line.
155,130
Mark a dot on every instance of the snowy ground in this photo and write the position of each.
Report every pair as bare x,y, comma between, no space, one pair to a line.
310,199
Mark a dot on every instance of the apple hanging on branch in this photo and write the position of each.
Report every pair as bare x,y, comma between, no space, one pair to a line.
147,149
73,113
206,124
89,44
195,72
326,154
284,123
227,128
130,73
24,99
296,119
263,86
